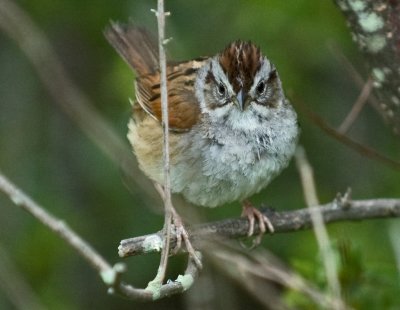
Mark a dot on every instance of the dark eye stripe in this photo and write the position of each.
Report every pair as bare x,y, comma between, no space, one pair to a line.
222,101
214,106
272,75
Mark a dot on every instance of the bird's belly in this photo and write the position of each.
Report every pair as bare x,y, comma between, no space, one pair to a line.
223,174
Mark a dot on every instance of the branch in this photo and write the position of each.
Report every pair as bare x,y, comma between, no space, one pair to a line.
165,191
262,271
346,140
375,26
111,275
283,221
357,107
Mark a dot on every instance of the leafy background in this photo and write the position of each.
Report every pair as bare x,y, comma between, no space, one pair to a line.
43,151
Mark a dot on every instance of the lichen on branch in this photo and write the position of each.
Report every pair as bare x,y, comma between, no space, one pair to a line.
375,27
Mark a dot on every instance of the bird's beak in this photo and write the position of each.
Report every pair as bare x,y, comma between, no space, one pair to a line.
241,100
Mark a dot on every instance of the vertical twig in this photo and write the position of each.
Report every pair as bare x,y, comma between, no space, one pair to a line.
321,234
160,14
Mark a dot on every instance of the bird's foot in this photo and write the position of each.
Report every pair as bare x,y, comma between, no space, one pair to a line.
254,214
182,235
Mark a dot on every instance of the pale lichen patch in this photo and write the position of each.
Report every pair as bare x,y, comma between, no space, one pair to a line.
378,74
370,22
357,5
186,281
108,276
152,243
155,288
375,43
379,77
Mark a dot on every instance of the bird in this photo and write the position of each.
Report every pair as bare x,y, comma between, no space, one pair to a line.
231,127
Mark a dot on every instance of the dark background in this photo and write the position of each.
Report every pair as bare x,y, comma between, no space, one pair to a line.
46,154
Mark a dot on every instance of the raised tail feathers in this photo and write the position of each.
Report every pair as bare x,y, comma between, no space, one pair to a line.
135,45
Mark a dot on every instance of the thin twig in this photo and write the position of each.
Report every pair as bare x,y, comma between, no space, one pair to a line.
352,144
321,234
357,107
306,177
165,123
260,265
160,14
55,224
355,76
283,221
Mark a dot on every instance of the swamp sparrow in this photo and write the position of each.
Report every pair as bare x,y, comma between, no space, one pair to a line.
231,128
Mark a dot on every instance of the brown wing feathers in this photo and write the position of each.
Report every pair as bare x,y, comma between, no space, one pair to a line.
183,109
137,48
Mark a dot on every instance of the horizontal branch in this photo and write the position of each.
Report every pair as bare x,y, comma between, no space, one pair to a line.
283,221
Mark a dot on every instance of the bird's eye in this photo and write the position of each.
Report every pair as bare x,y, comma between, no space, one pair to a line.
260,88
221,89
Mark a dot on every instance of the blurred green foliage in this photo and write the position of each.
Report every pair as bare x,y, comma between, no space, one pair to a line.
43,151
